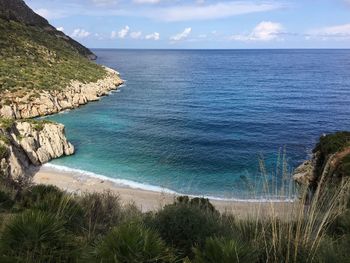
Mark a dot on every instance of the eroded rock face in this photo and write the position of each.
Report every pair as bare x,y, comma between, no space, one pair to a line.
305,173
31,144
50,102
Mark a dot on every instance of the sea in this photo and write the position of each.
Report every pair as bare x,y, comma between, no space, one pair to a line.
208,123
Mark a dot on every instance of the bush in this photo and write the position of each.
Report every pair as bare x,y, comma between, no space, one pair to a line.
3,151
343,168
221,250
6,123
50,199
37,193
6,201
328,145
132,243
183,225
36,236
102,212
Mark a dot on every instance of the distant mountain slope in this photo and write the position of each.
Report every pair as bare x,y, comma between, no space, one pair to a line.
35,56
17,10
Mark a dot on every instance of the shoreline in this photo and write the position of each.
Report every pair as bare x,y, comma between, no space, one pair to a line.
50,102
148,200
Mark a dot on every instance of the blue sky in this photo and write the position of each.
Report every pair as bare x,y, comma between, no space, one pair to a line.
201,23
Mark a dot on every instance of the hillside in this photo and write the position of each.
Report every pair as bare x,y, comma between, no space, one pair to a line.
17,10
35,56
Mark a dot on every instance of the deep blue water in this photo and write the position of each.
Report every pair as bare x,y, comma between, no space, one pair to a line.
196,121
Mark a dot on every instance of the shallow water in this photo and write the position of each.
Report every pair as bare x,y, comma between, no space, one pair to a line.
196,121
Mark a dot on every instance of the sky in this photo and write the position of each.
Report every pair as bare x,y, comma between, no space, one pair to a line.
201,24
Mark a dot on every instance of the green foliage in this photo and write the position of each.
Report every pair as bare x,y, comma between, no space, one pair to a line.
102,212
183,225
4,139
6,123
36,236
130,243
33,59
52,200
343,168
3,151
332,143
334,251
221,250
38,193
6,201
201,203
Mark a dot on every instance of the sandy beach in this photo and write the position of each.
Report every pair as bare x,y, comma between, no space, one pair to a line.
150,200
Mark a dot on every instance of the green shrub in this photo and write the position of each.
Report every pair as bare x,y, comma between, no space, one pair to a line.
102,212
4,139
36,237
3,151
220,250
6,123
331,144
6,201
132,243
51,199
343,168
201,203
334,251
183,225
37,193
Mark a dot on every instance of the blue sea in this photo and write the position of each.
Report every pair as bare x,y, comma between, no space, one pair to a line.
198,121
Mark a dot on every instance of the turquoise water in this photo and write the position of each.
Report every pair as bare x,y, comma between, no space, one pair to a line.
195,122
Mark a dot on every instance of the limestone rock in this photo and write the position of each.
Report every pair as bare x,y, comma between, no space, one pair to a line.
51,102
304,174
32,144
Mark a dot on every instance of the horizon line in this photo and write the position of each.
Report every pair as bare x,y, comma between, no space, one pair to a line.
105,48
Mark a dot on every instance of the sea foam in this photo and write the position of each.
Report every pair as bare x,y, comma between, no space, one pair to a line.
148,187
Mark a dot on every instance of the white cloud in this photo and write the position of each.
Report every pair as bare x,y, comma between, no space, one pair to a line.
122,33
182,35
136,35
264,31
146,1
80,33
338,31
212,11
104,2
60,28
153,36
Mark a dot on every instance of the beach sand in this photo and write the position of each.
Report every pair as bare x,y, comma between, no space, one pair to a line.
149,200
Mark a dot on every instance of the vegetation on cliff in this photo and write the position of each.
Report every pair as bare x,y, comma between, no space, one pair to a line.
33,59
337,147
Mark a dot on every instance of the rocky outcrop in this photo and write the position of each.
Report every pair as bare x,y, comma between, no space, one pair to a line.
305,173
28,144
330,160
49,102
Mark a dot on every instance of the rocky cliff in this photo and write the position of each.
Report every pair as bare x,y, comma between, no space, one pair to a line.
24,145
42,72
330,160
35,104
17,10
